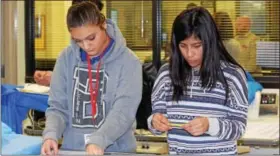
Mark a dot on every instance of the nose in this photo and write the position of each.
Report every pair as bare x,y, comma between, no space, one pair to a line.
86,45
190,53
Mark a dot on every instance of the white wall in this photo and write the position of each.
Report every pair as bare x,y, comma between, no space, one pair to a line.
20,44
12,45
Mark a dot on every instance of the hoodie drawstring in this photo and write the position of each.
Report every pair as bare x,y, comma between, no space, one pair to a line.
93,91
204,90
192,82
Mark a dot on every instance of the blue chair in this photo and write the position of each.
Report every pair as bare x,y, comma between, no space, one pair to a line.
253,87
254,97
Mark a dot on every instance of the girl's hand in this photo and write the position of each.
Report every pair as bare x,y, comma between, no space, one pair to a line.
93,149
160,122
197,126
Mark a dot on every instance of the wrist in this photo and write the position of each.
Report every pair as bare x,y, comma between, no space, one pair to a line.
207,123
213,126
50,139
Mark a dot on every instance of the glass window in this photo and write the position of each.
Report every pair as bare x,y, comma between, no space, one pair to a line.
254,26
134,19
255,29
170,9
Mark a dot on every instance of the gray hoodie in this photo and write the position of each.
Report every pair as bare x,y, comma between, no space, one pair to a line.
119,94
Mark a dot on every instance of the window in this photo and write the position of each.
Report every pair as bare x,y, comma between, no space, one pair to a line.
261,39
263,31
170,9
134,19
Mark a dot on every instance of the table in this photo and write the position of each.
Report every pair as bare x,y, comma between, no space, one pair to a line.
263,151
15,105
68,152
262,137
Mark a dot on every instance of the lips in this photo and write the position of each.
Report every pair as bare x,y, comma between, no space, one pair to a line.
90,51
191,62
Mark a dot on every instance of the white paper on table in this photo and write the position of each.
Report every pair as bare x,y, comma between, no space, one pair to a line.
35,88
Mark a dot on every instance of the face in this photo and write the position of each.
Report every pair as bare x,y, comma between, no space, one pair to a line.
93,39
241,29
192,51
242,26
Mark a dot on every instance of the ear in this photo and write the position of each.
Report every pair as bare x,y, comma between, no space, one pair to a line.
104,25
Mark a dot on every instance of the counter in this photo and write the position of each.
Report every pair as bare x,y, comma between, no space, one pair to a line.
261,137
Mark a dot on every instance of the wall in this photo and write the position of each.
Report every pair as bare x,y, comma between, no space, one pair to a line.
12,45
20,43
1,44
56,33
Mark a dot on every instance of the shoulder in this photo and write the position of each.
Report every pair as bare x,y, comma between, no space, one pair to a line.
163,73
130,57
252,36
233,72
66,53
164,70
127,61
232,42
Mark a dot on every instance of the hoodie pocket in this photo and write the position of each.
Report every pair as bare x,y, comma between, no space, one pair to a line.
73,141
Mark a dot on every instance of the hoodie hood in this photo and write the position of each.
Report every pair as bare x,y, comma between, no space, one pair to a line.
116,49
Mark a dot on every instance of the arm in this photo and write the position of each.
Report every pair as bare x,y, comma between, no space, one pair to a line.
232,127
253,52
122,115
236,48
158,101
56,114
42,77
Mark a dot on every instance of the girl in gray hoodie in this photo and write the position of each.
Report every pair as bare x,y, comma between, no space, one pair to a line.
95,88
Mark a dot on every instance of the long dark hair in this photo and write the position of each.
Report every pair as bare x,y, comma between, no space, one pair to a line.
198,22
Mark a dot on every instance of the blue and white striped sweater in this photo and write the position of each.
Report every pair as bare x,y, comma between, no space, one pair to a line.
227,122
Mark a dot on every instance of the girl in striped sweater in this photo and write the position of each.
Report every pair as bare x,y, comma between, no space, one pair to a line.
200,97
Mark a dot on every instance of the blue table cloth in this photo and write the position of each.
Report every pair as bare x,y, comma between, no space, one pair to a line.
18,144
15,106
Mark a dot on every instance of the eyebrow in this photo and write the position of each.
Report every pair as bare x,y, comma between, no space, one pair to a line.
89,36
199,42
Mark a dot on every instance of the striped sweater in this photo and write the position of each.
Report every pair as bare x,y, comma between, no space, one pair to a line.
227,122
